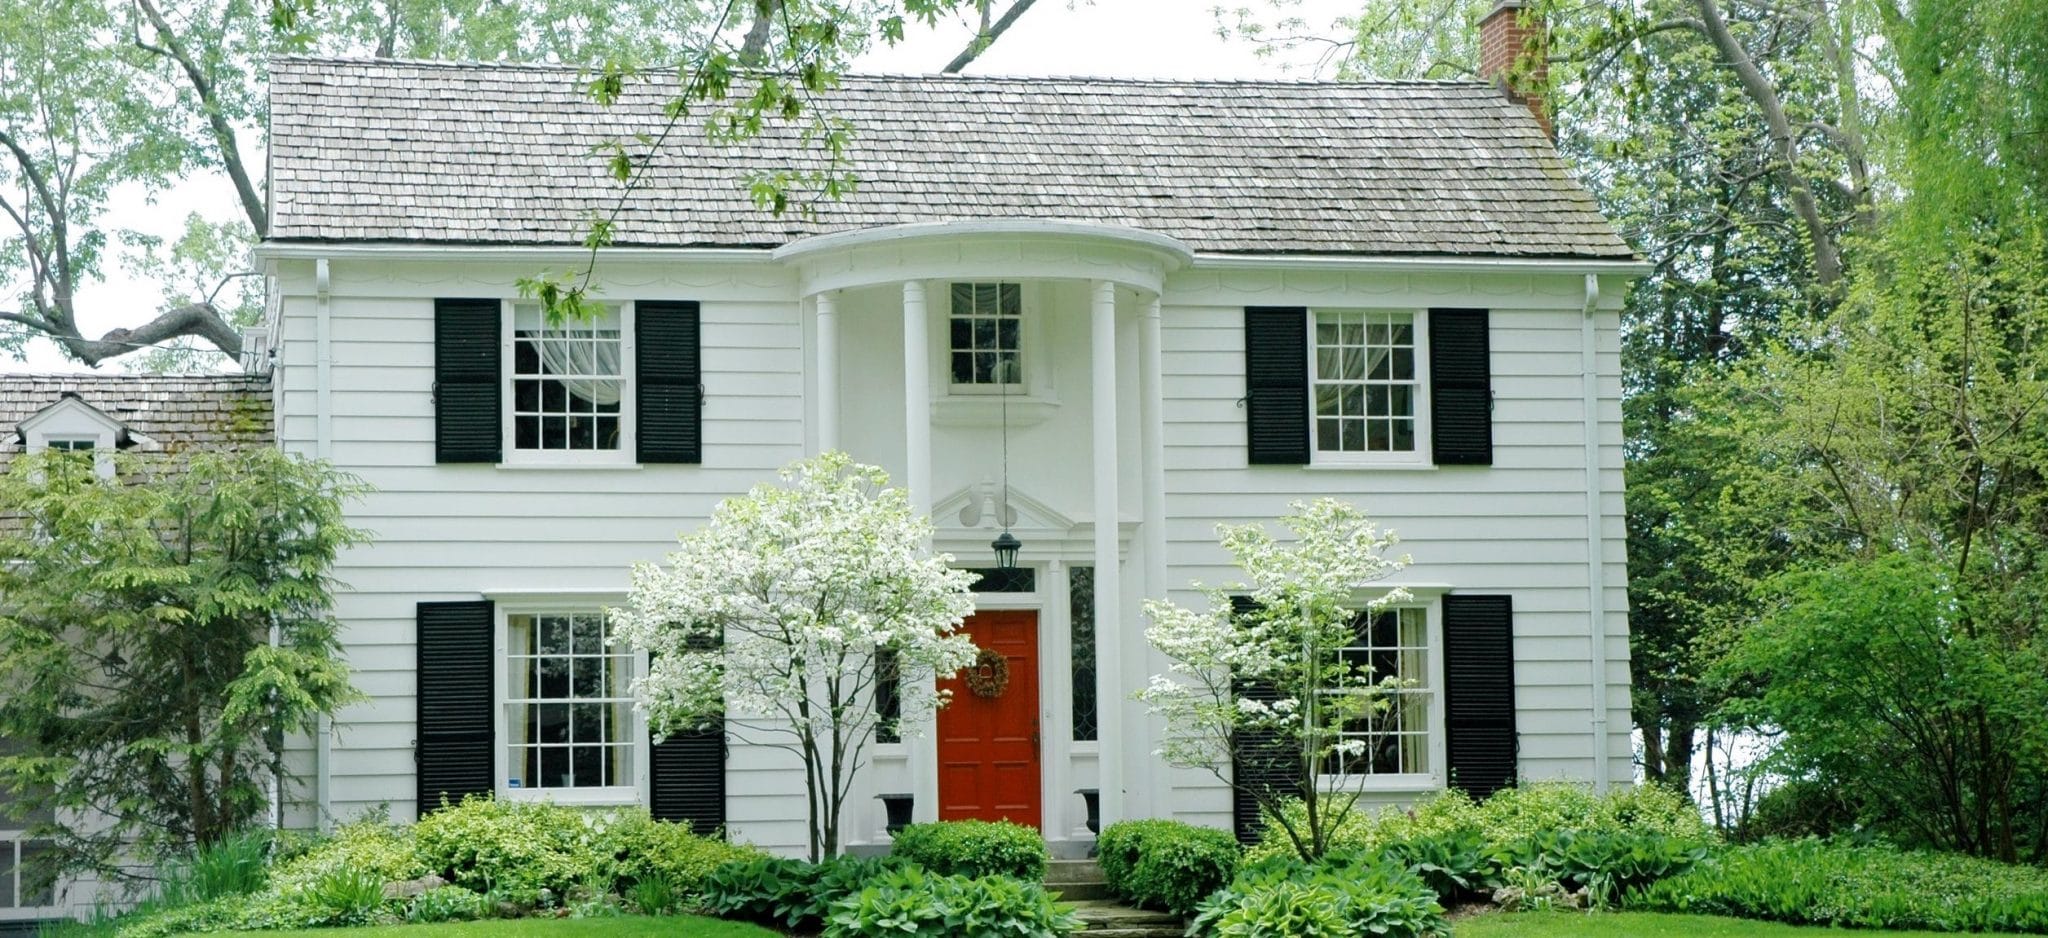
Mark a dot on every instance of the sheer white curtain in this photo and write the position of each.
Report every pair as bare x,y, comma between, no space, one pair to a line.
573,361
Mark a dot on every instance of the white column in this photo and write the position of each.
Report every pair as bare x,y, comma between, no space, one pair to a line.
1116,746
828,372
917,398
917,482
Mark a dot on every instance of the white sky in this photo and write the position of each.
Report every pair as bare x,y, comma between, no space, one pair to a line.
1120,38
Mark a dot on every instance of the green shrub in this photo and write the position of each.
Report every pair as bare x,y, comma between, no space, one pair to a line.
1166,865
1366,829
1333,898
790,894
370,845
638,848
517,848
447,904
1456,863
1515,814
1509,817
1800,809
1604,864
217,915
974,848
1809,882
911,903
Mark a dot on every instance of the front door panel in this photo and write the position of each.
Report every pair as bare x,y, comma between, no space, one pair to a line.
989,747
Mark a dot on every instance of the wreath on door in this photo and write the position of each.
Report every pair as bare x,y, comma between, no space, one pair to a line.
989,675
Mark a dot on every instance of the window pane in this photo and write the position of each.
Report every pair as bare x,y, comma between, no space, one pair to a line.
963,368
963,299
963,333
1329,435
1378,436
1006,334
1081,607
1013,300
1404,364
985,298
1404,436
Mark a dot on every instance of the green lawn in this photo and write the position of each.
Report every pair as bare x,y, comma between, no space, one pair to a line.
678,926
1642,925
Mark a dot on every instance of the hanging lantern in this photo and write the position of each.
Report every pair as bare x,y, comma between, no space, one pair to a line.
1006,546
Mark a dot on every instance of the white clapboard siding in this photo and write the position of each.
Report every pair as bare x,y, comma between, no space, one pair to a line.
463,531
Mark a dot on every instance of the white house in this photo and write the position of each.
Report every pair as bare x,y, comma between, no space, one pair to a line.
1166,304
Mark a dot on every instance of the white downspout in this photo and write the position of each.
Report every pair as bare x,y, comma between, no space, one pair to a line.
323,448
1596,566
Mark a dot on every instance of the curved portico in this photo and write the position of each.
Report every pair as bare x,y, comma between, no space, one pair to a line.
1117,274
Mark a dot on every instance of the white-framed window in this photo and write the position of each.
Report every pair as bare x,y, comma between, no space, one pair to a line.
568,388
569,730
20,894
1367,393
71,445
985,325
1398,739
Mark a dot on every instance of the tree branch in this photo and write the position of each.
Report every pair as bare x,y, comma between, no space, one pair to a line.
1827,258
223,132
987,37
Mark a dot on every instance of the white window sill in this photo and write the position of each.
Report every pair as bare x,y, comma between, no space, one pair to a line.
613,797
1370,465
1372,784
978,410
558,465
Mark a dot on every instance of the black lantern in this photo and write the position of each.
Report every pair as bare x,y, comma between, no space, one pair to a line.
1006,546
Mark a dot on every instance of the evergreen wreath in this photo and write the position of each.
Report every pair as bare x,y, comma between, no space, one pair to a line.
989,675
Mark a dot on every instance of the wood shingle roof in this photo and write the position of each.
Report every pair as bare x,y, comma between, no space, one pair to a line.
428,152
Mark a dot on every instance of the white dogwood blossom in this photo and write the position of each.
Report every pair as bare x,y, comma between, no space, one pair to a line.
775,613
1259,686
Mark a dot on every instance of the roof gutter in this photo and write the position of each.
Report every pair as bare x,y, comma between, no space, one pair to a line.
1424,262
523,253
553,253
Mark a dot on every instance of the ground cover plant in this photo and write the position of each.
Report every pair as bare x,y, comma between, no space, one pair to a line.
482,859
1333,897
1633,925
1809,882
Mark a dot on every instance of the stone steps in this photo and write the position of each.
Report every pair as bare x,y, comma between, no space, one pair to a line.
1080,882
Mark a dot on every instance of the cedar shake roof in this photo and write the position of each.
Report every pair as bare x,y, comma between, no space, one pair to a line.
162,412
450,153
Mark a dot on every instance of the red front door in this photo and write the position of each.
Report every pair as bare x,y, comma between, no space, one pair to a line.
988,746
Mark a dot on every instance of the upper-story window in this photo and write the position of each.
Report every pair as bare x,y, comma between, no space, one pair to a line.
987,336
569,383
1366,385
72,445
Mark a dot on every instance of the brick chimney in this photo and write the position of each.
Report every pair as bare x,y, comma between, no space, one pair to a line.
1512,56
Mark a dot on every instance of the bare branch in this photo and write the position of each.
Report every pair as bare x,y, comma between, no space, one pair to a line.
987,36
209,101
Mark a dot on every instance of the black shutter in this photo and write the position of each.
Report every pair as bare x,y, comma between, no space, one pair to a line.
1479,692
455,733
687,779
1460,387
467,382
1276,384
687,775
669,372
1271,765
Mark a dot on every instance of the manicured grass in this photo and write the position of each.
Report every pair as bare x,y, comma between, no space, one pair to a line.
1643,925
676,926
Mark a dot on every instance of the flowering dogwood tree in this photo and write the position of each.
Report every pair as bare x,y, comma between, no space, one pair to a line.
1263,691
779,608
